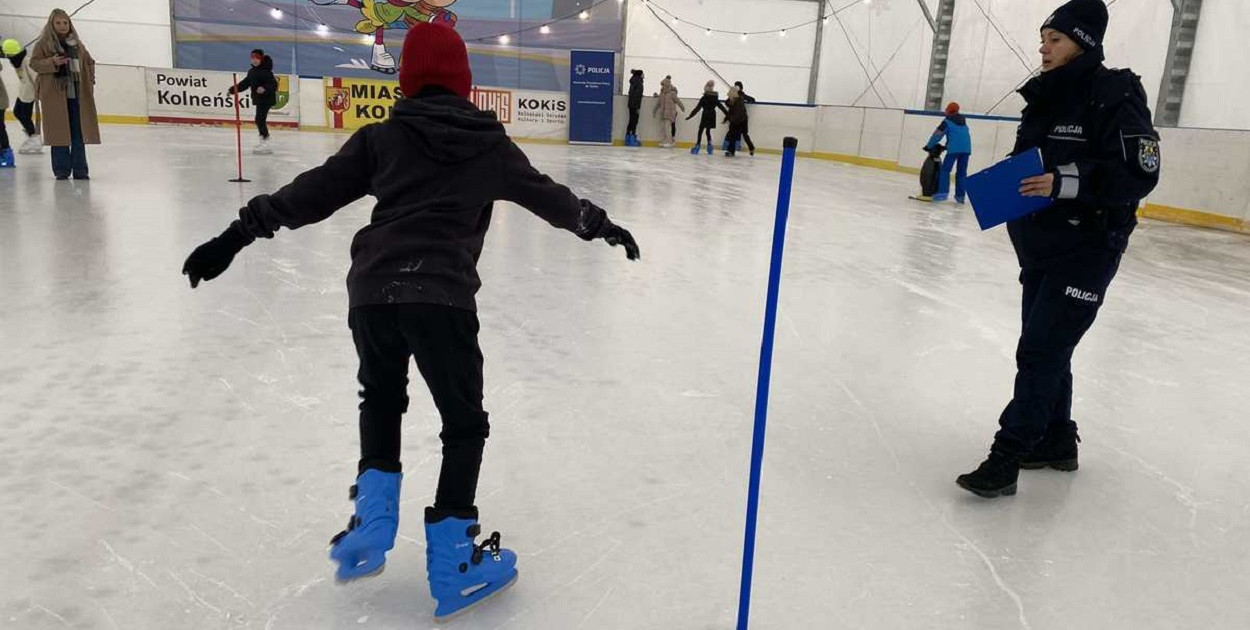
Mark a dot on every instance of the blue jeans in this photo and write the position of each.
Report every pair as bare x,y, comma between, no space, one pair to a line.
72,159
961,173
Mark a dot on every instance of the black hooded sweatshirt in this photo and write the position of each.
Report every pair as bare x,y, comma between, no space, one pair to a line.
258,76
635,91
435,167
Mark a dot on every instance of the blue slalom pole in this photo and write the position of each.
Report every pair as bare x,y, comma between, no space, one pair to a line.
765,375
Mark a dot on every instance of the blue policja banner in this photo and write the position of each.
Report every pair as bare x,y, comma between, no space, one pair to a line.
591,83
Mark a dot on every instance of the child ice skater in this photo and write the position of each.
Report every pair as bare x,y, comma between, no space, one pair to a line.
666,107
738,122
958,149
6,152
264,86
435,168
24,106
708,105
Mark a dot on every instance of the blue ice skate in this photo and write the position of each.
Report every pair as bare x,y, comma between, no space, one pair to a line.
710,148
695,149
462,572
6,159
361,549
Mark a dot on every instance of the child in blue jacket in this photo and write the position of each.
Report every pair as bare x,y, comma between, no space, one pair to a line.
958,148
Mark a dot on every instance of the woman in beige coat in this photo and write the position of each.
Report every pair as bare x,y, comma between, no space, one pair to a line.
66,90
666,108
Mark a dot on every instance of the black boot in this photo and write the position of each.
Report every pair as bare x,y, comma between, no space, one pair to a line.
995,477
1056,450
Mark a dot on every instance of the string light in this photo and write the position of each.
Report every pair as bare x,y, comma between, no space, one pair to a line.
656,9
584,15
504,39
323,30
545,30
276,13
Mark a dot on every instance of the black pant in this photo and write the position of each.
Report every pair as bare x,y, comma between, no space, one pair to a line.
4,133
262,118
444,342
698,135
632,128
23,112
1059,305
736,133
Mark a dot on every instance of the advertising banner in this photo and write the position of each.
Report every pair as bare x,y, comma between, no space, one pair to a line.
591,91
200,97
354,103
364,38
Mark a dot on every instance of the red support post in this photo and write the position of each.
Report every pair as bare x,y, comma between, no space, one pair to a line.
238,131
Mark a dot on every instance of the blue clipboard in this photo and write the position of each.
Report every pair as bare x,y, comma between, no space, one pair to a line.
995,191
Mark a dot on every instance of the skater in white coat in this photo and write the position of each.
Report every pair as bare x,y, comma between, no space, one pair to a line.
666,108
24,107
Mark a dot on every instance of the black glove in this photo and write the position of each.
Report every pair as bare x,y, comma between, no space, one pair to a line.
212,258
617,235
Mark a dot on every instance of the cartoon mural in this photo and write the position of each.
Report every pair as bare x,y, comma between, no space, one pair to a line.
363,38
380,15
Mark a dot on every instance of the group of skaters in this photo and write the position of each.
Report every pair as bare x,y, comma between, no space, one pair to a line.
668,107
56,73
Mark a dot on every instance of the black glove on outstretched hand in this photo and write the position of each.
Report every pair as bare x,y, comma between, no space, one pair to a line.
212,258
593,223
617,235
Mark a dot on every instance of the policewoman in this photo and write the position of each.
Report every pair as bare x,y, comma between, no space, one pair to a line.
1101,153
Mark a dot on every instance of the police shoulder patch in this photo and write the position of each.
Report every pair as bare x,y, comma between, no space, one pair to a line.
1148,155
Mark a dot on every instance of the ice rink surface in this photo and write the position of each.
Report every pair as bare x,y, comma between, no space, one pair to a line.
179,459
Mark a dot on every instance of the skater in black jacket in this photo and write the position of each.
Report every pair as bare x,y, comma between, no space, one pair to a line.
737,119
1093,127
264,86
435,168
708,105
747,99
633,104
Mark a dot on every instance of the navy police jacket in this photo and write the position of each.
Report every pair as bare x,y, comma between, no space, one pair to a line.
1094,129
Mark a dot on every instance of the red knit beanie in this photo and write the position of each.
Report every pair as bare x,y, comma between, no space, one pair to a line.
434,54
951,108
